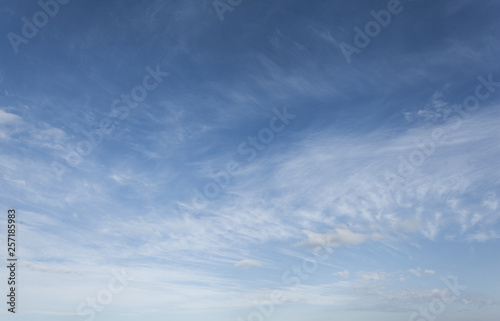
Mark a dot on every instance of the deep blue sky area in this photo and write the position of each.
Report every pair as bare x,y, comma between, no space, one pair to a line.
251,160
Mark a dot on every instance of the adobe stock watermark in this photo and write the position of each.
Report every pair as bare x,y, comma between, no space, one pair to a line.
437,307
222,6
251,147
104,297
119,111
372,29
293,276
427,147
30,28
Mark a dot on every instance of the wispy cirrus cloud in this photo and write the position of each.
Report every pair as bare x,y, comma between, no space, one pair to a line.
321,183
247,263
337,237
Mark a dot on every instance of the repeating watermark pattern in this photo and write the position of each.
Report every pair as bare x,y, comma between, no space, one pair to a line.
104,297
250,148
120,110
31,28
372,29
437,307
294,277
427,147
223,6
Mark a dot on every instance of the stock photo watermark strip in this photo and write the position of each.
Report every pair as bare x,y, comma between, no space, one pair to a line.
12,260
31,27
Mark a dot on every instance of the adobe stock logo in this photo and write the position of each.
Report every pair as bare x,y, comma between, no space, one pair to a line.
372,29
250,148
425,148
293,277
119,111
104,297
30,29
438,306
221,6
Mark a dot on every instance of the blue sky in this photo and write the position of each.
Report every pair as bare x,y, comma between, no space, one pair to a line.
216,155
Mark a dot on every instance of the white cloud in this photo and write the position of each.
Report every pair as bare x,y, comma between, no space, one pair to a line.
429,272
372,276
416,272
491,201
8,118
434,111
318,188
337,237
248,263
432,226
344,274
8,123
483,236
47,268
